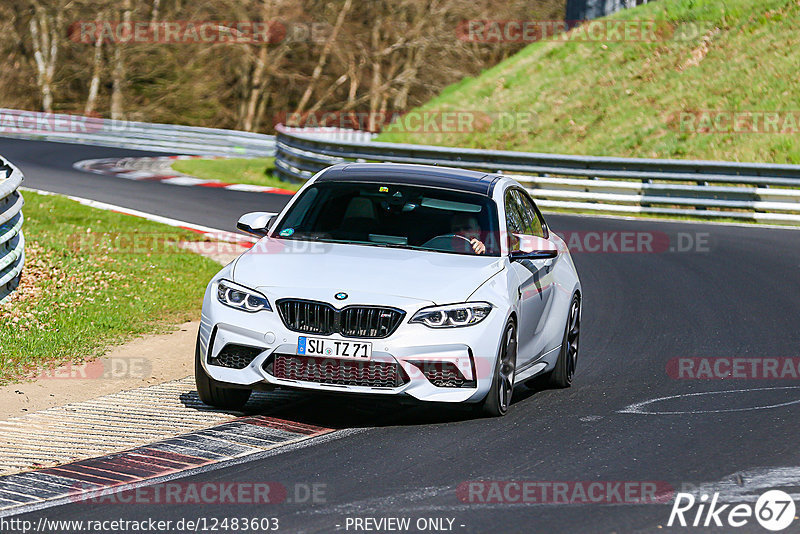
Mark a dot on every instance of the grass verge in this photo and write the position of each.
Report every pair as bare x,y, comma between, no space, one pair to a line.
93,279
629,98
254,171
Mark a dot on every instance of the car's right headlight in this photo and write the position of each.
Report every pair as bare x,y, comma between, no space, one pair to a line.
241,298
453,315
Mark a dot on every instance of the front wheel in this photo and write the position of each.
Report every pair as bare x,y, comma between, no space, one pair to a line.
212,392
498,399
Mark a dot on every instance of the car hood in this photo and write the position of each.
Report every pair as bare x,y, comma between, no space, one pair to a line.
306,269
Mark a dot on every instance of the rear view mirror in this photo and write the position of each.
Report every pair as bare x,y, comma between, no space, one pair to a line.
534,248
256,223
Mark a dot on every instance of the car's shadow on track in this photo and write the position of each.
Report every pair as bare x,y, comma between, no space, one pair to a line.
350,411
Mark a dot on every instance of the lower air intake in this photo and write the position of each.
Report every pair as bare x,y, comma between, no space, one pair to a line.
443,374
340,372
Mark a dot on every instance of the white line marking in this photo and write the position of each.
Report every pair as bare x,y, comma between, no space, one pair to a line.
637,408
184,180
251,188
131,174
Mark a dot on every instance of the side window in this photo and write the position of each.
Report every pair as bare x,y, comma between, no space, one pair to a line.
534,222
299,215
515,221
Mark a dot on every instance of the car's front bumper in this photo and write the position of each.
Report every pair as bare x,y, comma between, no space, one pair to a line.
419,351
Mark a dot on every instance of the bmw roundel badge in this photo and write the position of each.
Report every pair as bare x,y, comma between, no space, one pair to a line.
340,296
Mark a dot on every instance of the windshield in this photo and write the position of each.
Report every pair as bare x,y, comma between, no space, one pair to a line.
402,216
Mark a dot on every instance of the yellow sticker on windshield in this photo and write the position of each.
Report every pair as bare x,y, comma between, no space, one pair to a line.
383,189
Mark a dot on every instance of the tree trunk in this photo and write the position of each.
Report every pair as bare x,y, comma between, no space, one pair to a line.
154,10
46,40
323,57
255,89
118,74
94,85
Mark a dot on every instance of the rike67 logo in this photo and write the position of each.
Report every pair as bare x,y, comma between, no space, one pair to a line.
774,510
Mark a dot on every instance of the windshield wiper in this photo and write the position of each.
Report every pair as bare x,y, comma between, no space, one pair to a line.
300,237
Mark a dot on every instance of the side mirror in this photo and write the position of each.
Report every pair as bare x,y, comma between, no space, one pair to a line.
256,223
533,248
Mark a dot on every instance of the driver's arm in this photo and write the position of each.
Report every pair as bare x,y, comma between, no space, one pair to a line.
478,246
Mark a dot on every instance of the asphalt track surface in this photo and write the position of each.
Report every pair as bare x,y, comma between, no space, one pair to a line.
735,297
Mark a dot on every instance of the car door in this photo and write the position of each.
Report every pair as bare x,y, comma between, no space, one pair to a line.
535,288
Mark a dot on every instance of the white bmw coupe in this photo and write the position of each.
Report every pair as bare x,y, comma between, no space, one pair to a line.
414,281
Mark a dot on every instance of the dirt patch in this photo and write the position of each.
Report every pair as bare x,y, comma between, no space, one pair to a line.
699,53
143,362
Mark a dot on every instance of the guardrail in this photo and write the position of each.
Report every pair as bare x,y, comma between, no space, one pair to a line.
711,189
154,137
12,242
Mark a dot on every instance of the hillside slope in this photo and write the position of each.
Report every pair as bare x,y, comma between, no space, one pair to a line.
630,98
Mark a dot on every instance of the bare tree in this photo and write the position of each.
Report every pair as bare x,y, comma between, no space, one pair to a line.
118,73
376,55
154,10
94,84
323,57
45,30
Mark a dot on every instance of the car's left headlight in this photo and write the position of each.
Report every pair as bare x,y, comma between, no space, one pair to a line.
241,298
453,315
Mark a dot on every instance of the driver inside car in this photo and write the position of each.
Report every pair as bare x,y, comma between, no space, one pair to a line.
467,227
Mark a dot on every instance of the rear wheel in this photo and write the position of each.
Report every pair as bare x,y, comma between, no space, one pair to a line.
561,376
212,392
498,399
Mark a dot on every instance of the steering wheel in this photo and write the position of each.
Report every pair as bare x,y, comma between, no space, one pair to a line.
445,242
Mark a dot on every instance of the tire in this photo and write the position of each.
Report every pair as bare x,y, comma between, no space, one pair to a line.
498,399
212,392
561,376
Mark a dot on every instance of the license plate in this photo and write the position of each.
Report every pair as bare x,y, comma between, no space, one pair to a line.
333,348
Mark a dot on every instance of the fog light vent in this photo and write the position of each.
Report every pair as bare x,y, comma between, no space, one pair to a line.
443,374
235,356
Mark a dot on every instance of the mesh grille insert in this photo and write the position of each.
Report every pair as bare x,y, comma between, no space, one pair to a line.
335,371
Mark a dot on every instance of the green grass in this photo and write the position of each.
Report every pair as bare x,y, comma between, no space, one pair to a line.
625,98
93,279
255,171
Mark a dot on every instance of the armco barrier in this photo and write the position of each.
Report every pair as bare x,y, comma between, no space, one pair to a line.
761,192
170,138
12,242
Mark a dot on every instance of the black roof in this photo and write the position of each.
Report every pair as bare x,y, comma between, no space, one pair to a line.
398,173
